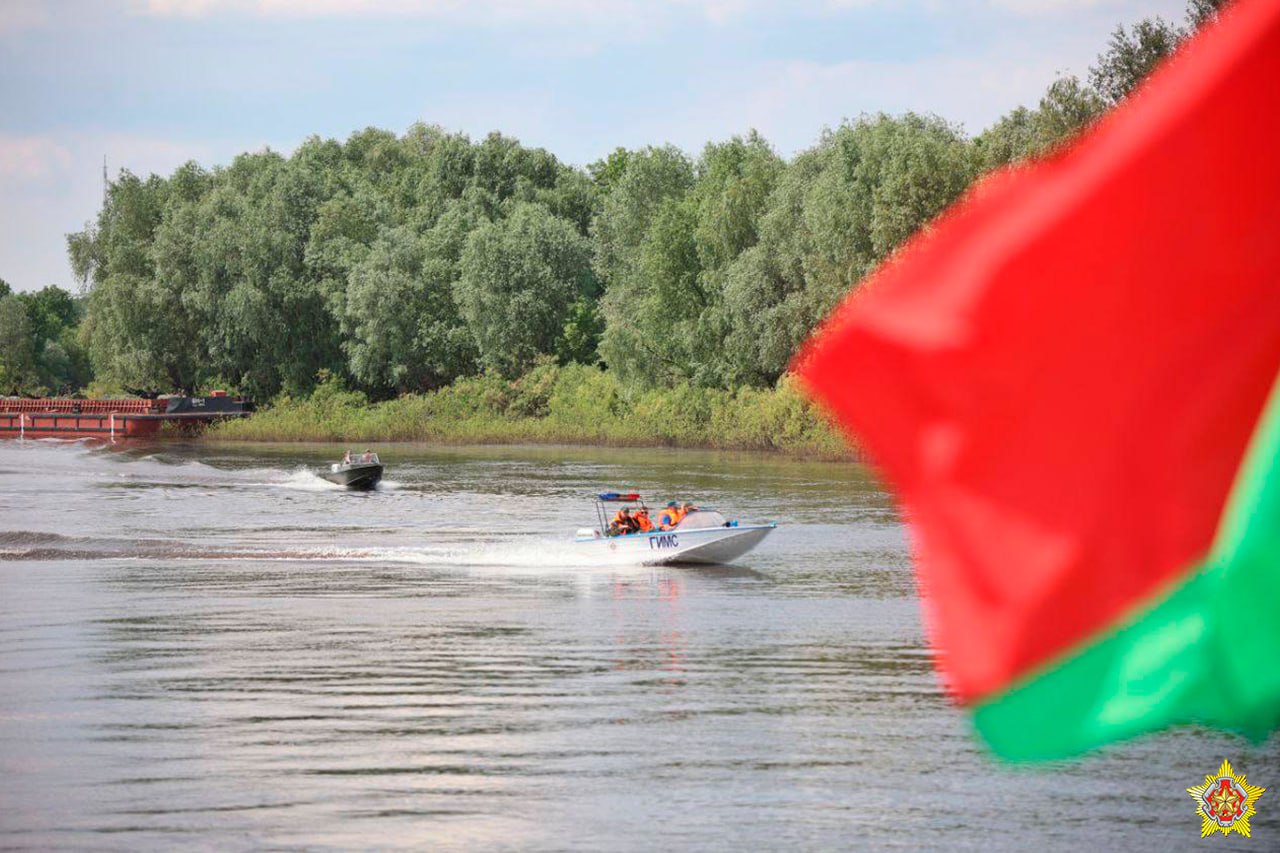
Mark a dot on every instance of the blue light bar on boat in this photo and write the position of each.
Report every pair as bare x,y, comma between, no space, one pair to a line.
615,496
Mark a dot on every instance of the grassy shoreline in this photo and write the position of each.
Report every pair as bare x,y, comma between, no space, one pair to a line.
574,404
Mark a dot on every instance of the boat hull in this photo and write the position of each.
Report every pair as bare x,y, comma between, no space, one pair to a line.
706,545
359,477
73,425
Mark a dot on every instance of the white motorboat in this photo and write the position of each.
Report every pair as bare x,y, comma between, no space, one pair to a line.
702,536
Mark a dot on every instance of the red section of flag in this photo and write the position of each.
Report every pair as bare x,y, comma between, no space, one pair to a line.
1061,377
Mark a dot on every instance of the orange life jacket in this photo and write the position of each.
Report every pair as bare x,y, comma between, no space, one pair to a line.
642,520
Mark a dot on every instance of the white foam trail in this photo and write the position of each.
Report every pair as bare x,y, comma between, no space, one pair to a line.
307,481
193,464
530,554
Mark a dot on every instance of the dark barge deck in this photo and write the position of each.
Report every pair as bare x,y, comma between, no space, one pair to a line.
65,417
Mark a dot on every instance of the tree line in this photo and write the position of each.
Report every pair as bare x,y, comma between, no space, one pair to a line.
400,263
40,344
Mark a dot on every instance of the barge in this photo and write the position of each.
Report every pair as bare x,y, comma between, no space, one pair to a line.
66,417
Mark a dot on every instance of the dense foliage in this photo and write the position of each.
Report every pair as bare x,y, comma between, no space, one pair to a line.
400,264
393,261
40,346
404,263
553,403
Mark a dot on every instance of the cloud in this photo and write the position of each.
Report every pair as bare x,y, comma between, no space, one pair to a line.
51,184
788,102
18,15
569,27
969,90
31,159
477,11
1043,7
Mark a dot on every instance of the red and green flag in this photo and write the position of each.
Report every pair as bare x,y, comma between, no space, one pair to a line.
1071,382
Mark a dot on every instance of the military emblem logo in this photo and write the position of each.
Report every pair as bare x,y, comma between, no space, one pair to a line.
1225,802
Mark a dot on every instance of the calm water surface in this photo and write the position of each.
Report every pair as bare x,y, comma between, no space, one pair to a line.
208,646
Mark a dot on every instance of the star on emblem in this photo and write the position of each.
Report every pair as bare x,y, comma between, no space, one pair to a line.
1225,802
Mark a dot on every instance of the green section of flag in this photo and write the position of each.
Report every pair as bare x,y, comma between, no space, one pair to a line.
1206,652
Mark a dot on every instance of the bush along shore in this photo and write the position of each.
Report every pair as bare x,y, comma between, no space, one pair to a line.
573,404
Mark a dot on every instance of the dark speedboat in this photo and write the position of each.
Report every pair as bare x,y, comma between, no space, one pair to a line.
360,472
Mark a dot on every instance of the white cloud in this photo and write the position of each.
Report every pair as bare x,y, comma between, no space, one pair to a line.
970,90
1048,7
480,11
17,15
789,102
575,27
624,19
31,159
51,184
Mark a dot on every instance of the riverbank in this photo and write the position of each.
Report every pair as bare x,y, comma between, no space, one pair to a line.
574,404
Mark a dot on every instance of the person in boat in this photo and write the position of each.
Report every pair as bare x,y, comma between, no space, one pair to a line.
670,516
368,455
623,523
643,522
346,458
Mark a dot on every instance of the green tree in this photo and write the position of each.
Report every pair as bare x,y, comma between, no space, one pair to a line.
838,211
134,339
65,362
54,315
608,171
18,369
51,309
1067,107
404,331
665,319
141,336
1016,136
579,342
651,177
652,301
261,273
520,277
1200,12
1131,55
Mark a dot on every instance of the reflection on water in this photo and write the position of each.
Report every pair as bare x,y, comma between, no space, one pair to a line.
210,645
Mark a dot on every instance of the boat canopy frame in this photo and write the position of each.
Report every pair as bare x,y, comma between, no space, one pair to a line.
604,499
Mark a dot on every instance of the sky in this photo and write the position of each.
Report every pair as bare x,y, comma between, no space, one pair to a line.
151,84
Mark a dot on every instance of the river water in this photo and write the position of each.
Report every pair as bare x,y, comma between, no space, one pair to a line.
207,646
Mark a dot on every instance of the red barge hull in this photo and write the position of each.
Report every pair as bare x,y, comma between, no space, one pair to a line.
125,418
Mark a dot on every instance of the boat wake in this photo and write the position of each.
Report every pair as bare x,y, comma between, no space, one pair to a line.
533,554
300,480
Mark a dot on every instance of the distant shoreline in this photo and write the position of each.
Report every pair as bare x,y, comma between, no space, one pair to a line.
546,441
573,405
